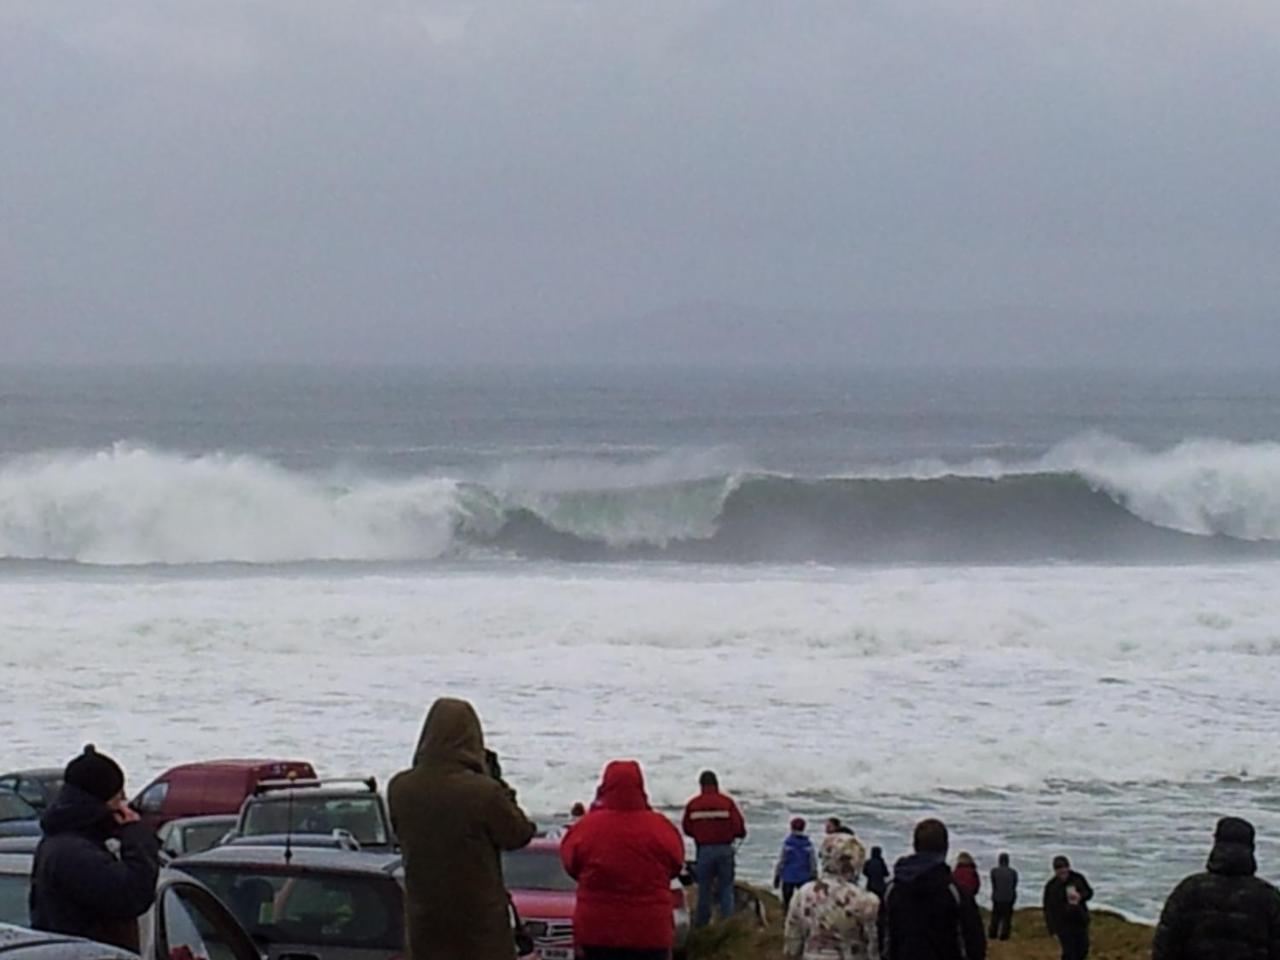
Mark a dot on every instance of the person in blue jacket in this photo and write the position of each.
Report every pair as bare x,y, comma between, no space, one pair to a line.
797,865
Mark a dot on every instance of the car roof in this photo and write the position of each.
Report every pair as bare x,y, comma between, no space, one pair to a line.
11,863
303,858
540,845
36,773
21,939
302,790
208,820
25,844
236,763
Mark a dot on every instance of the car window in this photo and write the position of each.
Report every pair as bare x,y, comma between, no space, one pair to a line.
310,909
14,889
13,807
359,816
152,799
196,927
203,836
536,870
31,791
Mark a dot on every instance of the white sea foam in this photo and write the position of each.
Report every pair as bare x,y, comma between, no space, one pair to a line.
808,689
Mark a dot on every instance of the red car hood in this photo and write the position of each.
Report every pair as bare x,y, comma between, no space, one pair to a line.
544,904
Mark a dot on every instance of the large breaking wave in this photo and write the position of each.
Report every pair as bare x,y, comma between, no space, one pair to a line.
1090,499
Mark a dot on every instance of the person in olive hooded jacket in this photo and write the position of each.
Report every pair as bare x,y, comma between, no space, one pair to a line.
453,819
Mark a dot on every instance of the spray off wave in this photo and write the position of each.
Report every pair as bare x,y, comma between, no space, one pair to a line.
1092,498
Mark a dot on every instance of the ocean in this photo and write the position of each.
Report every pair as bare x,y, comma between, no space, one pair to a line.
1039,604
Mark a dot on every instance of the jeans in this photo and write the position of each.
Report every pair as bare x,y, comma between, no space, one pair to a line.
789,891
1075,943
714,870
1001,921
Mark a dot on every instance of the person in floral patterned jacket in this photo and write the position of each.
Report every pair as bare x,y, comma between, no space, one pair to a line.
831,918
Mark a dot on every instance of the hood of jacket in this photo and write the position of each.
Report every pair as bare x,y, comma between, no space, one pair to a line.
922,872
451,735
842,855
621,787
77,811
1230,859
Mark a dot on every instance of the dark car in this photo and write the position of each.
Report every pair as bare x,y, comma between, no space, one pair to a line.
319,807
187,921
37,787
188,835
332,904
17,817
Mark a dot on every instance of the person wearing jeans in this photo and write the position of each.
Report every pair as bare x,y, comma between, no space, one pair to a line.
714,822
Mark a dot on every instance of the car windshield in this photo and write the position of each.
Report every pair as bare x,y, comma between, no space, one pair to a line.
13,807
14,888
203,836
310,909
536,870
360,816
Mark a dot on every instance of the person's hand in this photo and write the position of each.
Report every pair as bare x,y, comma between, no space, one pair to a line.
123,813
1073,896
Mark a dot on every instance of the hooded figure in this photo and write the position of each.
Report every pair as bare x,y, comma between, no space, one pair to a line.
78,887
926,916
797,863
1225,913
624,856
877,872
453,820
831,918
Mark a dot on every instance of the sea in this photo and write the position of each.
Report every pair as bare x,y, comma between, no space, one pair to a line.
1039,604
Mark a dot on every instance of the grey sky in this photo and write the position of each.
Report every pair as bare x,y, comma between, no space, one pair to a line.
324,180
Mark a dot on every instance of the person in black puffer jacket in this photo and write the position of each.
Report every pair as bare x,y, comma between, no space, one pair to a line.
1225,913
925,915
78,887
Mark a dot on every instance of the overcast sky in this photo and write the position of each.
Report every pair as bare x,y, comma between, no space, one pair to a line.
390,180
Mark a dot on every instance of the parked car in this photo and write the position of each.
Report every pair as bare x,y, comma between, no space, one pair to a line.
17,817
332,904
319,807
545,897
338,840
37,787
211,787
194,834
15,887
187,921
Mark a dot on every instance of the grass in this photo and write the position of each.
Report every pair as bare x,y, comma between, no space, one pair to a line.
1114,938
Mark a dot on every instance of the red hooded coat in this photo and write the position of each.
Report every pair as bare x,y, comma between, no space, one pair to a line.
624,856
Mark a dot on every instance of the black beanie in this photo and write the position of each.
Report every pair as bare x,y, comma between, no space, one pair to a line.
1234,830
96,774
1060,861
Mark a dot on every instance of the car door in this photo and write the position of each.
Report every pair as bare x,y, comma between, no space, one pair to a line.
190,923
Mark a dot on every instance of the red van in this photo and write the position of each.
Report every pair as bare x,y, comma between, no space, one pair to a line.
211,787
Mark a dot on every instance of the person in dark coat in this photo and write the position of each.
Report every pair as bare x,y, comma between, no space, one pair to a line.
877,872
797,863
454,817
1066,909
925,915
624,856
1004,894
1225,913
78,887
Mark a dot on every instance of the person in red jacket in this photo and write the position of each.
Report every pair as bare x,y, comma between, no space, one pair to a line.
623,855
714,822
965,875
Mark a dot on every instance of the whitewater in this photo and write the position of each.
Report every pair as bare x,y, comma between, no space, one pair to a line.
1041,608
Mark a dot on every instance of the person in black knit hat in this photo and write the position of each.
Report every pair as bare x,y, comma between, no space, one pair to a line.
78,886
